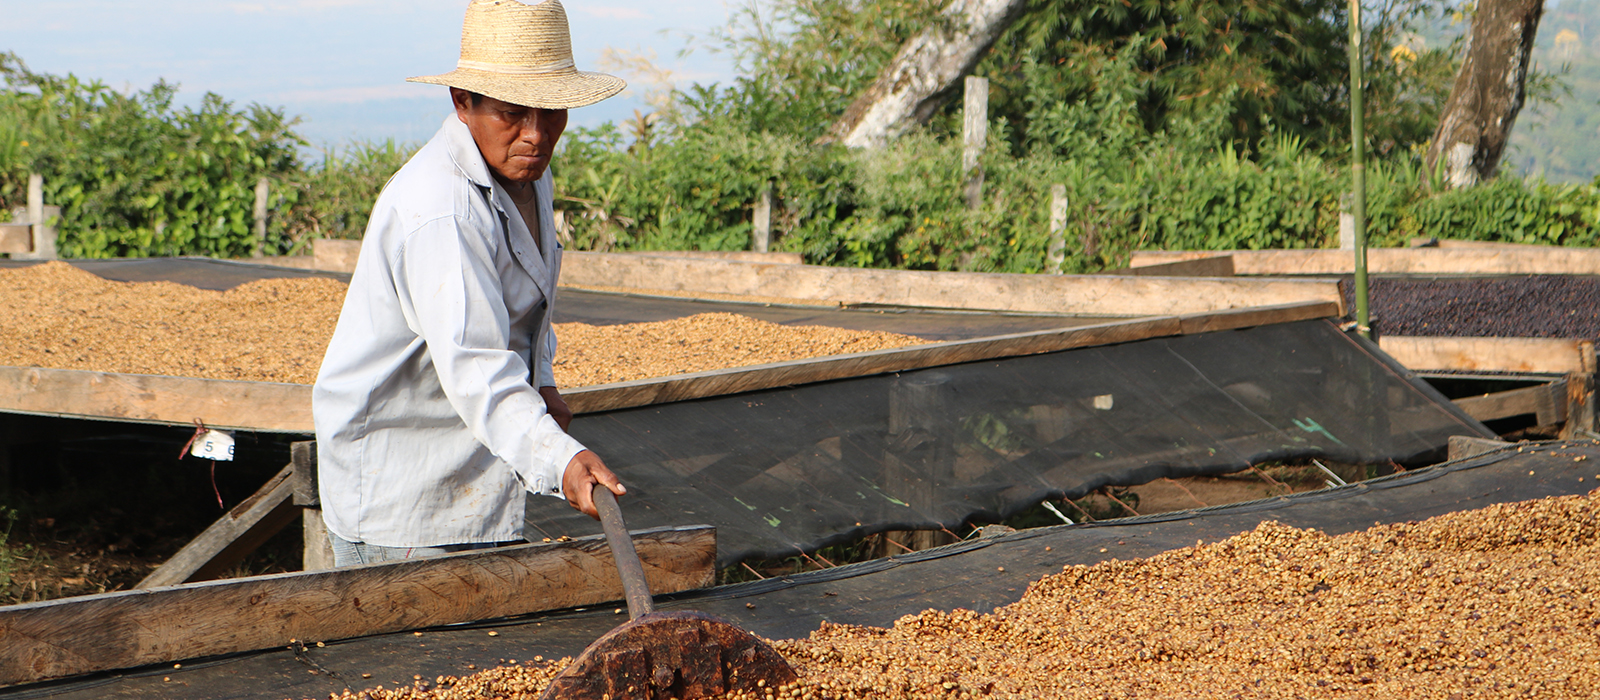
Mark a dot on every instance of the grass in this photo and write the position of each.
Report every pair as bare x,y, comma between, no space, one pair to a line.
8,553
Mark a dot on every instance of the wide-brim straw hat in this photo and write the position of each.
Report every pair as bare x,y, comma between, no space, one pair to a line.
522,54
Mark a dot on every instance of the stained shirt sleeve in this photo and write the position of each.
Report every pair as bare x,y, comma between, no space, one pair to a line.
453,299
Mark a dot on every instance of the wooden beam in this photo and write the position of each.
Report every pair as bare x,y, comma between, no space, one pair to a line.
1462,447
1580,396
1094,295
268,407
750,256
149,398
1547,401
72,636
16,239
1490,259
1524,355
1215,266
231,537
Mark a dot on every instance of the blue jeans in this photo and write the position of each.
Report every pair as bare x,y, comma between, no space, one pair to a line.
347,553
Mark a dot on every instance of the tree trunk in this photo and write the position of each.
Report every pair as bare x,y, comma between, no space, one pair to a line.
1488,91
925,72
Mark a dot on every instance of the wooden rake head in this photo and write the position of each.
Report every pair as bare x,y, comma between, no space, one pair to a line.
680,655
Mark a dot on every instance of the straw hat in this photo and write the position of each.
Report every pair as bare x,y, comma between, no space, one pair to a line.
522,54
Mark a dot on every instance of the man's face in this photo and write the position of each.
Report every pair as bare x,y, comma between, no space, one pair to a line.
516,142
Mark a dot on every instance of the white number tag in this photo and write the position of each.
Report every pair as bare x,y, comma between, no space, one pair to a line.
215,444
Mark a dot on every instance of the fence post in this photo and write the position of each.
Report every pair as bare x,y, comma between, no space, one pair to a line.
974,134
263,189
1347,223
761,222
1057,254
41,235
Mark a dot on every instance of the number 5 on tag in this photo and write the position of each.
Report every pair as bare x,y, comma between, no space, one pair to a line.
215,445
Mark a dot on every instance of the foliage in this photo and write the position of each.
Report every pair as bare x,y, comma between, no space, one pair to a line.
133,175
8,554
1198,124
801,62
333,198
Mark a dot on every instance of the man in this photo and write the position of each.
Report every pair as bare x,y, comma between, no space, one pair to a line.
436,407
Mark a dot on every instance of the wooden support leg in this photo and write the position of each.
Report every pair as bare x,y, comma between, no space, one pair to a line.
231,537
318,551
318,554
1580,396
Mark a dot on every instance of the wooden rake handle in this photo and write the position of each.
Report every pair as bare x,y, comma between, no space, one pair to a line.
629,568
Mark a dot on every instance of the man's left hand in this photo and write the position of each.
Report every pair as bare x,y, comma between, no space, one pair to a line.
556,406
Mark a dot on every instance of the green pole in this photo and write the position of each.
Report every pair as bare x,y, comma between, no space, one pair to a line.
1358,173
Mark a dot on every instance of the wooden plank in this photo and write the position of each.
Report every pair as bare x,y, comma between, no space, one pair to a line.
1215,266
1580,396
231,537
16,239
753,256
1462,447
303,464
148,398
1527,355
1538,400
287,407
1489,259
1149,258
71,636
317,554
1191,324
1095,295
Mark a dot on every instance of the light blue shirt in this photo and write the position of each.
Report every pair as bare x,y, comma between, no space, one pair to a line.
428,429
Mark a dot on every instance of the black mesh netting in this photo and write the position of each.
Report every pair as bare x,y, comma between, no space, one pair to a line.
796,469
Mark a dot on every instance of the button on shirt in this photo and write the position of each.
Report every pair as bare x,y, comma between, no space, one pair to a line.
429,431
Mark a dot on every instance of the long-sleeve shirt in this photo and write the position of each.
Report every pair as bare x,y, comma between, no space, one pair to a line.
429,430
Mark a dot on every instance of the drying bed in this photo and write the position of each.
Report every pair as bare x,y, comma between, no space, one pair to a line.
983,575
1529,306
607,308
790,470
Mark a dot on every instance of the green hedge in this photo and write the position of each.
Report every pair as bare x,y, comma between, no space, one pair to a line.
137,177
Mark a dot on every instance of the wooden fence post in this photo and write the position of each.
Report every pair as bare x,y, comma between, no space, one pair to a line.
1347,223
41,235
263,189
974,134
1057,254
761,222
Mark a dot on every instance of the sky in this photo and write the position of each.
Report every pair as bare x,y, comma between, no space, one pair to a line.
340,65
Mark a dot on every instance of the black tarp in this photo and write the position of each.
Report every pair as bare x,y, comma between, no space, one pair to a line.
963,575
789,470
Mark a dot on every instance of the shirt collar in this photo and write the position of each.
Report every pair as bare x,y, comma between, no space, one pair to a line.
464,151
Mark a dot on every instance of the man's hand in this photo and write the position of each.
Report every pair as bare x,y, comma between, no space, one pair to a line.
557,408
583,472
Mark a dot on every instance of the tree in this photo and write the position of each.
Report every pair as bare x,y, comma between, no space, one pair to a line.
923,75
1489,91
